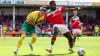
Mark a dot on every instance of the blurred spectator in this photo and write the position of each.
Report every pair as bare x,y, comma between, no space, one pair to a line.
88,22
96,30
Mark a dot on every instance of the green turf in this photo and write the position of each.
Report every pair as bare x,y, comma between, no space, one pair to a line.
90,44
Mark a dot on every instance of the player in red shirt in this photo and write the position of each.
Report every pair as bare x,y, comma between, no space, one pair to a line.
75,25
57,20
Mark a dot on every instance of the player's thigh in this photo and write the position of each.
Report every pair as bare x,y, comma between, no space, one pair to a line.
24,27
63,29
96,33
79,31
32,30
4,33
74,31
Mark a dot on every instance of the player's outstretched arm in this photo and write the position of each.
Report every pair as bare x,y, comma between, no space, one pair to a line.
77,8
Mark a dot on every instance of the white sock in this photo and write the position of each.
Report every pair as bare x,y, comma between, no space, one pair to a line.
51,46
30,43
17,49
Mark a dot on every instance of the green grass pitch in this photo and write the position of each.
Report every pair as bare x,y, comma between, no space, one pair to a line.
90,44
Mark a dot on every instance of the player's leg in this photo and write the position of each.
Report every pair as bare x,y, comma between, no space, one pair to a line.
96,33
33,40
70,41
65,31
23,35
74,35
53,39
4,35
79,33
33,35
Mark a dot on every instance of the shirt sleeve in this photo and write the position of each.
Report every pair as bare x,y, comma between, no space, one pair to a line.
63,9
45,16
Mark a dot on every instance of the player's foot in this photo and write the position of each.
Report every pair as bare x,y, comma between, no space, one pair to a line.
71,50
15,52
31,47
48,50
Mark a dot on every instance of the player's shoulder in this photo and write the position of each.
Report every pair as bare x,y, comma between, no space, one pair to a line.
77,16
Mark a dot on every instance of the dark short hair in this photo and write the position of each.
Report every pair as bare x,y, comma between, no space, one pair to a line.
51,2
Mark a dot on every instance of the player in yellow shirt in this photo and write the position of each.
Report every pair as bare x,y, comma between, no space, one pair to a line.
96,29
33,19
4,31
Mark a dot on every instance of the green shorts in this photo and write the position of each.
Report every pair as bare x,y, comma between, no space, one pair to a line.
4,33
96,33
28,28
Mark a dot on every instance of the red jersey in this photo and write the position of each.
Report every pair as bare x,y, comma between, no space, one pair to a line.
75,21
56,17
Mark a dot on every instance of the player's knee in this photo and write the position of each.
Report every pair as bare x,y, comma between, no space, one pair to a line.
23,35
55,33
33,41
34,37
55,28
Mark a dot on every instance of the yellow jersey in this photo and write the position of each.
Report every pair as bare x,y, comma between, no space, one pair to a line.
35,16
4,29
96,29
